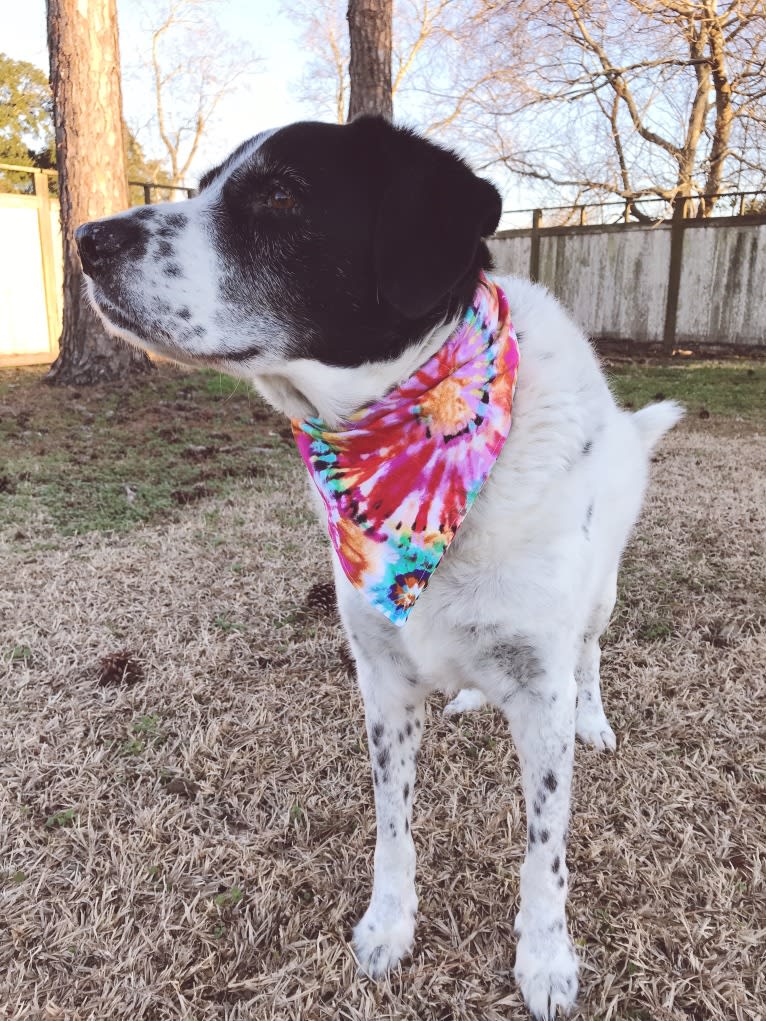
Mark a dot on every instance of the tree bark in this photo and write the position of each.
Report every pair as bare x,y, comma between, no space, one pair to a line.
369,26
93,176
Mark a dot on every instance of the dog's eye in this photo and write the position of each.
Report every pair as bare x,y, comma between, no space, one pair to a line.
280,198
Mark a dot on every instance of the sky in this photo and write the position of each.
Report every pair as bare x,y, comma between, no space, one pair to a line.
267,98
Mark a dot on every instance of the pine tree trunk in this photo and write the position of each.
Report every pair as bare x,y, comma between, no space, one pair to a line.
93,177
369,26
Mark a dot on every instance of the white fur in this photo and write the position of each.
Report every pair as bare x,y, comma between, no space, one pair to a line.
528,583
514,612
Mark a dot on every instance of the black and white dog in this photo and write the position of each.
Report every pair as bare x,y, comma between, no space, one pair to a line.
325,264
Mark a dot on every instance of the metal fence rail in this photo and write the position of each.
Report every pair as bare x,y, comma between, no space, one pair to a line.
652,209
147,187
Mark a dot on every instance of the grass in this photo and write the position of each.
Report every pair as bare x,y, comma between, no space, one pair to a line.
728,389
109,459
75,461
186,804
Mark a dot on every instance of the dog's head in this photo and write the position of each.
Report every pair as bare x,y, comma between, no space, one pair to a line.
340,245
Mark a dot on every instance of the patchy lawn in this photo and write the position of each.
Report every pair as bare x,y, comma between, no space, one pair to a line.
704,387
82,460
186,821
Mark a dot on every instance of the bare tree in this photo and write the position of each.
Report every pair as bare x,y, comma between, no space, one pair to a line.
87,106
433,69
194,65
324,39
369,29
637,98
599,99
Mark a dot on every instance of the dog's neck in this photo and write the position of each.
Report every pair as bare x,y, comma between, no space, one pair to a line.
306,388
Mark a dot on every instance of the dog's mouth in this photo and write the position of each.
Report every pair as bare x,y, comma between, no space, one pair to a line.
114,313
128,325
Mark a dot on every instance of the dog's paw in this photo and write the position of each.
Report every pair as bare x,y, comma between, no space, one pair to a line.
546,974
466,700
593,729
381,940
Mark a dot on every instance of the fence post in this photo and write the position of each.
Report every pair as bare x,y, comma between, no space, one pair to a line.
674,273
147,194
48,259
534,248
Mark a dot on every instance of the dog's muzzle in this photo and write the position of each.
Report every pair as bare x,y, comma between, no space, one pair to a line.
102,241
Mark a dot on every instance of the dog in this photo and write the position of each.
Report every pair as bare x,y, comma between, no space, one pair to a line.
326,265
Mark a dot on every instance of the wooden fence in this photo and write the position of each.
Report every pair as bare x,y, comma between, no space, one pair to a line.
685,281
682,282
31,267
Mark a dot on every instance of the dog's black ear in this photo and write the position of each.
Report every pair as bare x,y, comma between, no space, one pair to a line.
432,218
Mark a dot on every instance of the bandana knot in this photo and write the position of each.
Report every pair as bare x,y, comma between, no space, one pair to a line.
400,475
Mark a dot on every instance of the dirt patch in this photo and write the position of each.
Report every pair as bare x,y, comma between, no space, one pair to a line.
197,843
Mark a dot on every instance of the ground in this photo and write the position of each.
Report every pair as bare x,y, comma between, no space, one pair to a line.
186,821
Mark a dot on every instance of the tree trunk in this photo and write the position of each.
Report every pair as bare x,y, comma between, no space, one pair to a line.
369,26
93,176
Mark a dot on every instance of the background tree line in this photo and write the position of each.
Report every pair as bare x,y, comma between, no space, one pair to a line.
583,99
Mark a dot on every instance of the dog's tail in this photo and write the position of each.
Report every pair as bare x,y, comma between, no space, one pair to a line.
654,420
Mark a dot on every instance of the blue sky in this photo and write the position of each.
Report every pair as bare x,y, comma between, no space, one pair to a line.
266,99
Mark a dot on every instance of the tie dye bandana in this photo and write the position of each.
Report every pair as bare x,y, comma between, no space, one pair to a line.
401,474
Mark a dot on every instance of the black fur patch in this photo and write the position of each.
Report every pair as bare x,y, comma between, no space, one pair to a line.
383,243
518,660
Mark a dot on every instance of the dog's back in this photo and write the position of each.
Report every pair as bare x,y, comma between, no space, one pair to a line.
546,535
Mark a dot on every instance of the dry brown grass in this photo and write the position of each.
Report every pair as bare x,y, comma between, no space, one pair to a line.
186,822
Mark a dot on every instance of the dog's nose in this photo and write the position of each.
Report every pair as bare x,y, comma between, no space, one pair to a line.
101,241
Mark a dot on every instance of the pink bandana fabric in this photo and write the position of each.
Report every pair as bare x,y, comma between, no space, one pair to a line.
400,475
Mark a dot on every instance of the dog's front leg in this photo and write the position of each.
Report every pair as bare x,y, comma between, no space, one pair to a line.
394,715
541,713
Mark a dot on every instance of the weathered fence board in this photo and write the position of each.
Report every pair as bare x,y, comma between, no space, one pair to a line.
632,283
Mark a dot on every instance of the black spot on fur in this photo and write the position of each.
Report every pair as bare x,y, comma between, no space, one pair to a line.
418,724
406,791
164,248
384,758
587,448
537,808
376,732
400,735
171,269
532,836
544,836
588,519
408,729
183,313
561,881
556,864
406,826
518,659
550,781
